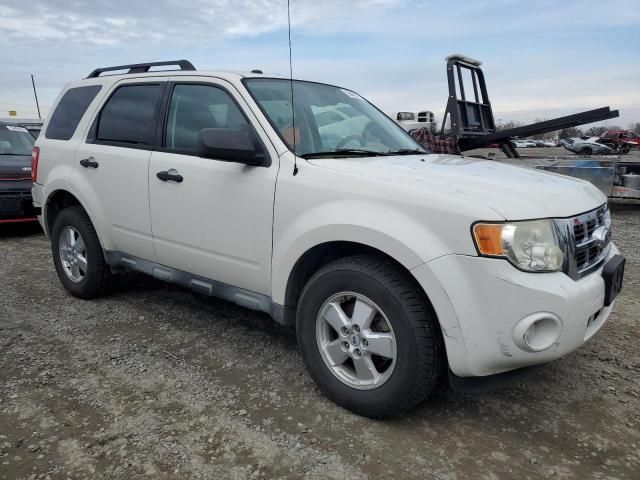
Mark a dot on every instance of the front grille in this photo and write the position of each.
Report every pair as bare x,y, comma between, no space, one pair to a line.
585,245
15,206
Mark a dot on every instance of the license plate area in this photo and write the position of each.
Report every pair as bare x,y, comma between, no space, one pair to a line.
613,273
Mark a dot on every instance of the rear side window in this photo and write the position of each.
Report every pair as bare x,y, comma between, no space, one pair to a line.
69,112
129,115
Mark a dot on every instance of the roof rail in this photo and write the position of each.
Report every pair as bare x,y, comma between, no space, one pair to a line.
184,65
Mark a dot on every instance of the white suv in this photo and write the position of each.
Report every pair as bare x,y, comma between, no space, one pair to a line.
396,266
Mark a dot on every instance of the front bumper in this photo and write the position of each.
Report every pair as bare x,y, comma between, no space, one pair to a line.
16,206
480,302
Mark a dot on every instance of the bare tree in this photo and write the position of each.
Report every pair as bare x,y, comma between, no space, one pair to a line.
596,131
570,132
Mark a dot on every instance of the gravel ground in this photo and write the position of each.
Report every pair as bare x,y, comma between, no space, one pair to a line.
155,381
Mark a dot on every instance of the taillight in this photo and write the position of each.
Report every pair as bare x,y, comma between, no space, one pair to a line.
35,156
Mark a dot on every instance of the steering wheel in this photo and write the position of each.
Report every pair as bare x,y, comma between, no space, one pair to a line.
373,132
350,138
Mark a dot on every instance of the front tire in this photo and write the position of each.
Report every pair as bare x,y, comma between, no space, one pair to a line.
78,255
368,337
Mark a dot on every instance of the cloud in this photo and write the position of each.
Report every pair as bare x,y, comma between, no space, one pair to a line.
539,54
120,21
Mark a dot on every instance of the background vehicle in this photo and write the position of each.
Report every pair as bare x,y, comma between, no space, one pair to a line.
33,125
524,144
342,227
412,120
588,146
16,144
622,140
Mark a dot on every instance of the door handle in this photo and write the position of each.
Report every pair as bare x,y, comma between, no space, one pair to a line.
89,163
166,176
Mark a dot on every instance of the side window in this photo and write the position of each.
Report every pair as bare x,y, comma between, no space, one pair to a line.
194,107
129,115
69,112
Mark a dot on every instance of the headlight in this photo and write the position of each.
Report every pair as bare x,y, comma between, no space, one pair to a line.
532,246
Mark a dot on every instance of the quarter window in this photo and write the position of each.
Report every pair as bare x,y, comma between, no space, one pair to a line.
69,112
129,115
195,107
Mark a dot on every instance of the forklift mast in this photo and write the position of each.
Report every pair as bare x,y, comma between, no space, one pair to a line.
471,117
468,108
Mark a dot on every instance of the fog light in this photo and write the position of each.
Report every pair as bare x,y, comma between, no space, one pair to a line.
537,332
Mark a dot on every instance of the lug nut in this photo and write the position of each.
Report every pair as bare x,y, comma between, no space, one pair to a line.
346,345
365,342
357,352
344,331
356,328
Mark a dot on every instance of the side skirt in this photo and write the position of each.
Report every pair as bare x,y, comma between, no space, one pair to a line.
212,288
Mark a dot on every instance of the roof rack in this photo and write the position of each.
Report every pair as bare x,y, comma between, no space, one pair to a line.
184,65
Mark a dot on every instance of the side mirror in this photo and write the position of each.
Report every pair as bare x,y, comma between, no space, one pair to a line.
230,145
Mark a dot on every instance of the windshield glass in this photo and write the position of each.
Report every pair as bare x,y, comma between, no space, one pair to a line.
328,119
15,140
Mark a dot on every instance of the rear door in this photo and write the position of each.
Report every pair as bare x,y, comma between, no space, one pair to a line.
112,165
217,221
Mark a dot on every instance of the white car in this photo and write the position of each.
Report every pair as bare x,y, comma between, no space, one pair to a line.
395,266
524,144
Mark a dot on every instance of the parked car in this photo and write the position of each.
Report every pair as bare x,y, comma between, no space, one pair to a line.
622,140
33,125
524,143
395,266
588,146
16,145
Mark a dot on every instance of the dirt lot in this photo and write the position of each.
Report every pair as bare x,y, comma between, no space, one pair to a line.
155,381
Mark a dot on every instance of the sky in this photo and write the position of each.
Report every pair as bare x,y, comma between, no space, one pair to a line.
541,58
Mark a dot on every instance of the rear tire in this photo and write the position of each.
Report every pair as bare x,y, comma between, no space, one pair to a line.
586,151
418,362
78,255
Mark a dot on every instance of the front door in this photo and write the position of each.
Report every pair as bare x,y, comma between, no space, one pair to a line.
210,217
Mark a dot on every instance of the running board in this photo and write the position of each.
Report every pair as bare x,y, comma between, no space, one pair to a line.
212,288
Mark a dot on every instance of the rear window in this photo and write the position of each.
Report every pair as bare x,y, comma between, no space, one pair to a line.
129,115
69,112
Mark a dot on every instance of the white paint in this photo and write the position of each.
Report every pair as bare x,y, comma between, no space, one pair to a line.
248,226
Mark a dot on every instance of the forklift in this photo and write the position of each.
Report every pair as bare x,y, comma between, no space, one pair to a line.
471,125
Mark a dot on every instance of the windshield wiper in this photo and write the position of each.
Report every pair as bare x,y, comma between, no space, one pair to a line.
344,152
407,151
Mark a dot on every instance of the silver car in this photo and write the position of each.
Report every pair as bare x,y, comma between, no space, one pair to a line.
587,146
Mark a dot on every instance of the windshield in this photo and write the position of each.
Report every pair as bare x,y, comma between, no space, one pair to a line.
328,120
15,140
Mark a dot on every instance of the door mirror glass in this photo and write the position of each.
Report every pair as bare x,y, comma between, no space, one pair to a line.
231,145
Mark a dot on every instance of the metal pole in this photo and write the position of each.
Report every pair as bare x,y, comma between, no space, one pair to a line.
36,95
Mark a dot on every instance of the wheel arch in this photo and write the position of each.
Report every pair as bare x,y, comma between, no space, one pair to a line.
57,201
319,255
63,197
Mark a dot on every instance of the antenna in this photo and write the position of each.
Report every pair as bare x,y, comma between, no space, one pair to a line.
36,95
293,112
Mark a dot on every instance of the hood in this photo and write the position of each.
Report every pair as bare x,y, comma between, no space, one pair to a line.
15,167
514,192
